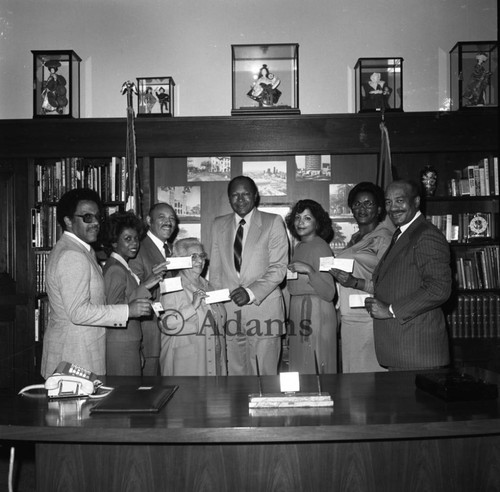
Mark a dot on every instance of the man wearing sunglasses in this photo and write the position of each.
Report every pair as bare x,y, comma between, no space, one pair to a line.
75,286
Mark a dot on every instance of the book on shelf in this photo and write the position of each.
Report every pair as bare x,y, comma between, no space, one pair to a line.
478,268
476,179
475,316
105,176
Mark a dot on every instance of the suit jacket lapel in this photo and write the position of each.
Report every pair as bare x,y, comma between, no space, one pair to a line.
401,244
251,241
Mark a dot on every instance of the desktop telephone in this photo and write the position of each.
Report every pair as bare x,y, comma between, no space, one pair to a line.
70,381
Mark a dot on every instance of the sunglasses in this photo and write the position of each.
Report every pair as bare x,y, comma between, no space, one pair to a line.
89,218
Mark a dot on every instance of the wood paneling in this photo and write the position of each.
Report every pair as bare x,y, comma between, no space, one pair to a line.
232,135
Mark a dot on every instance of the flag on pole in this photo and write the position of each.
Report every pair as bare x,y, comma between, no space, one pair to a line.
130,89
384,170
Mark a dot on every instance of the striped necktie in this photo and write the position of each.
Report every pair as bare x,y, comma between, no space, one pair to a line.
238,241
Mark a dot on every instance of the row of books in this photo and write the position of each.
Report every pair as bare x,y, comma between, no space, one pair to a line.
108,177
466,227
478,179
475,316
478,268
45,231
41,261
42,308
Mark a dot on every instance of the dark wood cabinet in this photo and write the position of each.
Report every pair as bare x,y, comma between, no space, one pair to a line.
446,139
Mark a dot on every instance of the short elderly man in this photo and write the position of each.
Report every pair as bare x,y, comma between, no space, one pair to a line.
154,250
78,314
411,283
249,256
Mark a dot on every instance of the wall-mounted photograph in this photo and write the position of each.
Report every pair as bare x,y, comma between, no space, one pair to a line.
208,169
343,231
188,229
185,200
313,167
338,200
269,176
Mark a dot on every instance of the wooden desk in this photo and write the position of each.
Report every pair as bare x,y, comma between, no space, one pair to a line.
383,434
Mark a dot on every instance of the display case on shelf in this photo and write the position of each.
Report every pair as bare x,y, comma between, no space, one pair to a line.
56,84
379,84
265,79
474,75
155,96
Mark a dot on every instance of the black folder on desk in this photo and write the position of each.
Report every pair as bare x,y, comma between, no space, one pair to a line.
135,399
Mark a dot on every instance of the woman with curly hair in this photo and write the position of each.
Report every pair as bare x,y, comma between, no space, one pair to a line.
120,241
312,320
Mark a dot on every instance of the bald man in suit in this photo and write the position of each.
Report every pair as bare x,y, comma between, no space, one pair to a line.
153,252
411,283
255,315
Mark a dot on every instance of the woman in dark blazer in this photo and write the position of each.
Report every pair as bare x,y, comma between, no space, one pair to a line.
121,242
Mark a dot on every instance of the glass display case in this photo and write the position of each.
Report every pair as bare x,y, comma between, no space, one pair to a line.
56,84
265,79
379,84
474,75
155,96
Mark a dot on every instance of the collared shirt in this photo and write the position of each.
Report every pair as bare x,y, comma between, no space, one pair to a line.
74,236
120,258
405,226
158,243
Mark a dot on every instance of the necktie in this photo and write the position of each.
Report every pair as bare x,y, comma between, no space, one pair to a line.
167,250
395,236
238,245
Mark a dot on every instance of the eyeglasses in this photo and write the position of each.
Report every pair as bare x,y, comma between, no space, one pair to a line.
89,218
365,204
199,256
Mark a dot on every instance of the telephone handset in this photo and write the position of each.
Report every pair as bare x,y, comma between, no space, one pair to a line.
70,381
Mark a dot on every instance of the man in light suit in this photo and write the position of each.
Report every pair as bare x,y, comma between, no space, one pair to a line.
411,283
255,315
154,250
75,286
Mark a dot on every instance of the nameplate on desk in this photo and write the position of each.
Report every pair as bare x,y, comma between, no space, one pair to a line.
221,295
179,262
284,400
328,262
172,284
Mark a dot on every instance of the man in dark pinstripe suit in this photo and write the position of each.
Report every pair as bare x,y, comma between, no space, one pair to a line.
411,283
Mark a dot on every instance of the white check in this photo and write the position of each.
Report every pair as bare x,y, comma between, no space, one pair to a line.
358,300
221,295
328,262
179,262
172,284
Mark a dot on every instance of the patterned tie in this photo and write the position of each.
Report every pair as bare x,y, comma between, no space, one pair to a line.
167,250
237,245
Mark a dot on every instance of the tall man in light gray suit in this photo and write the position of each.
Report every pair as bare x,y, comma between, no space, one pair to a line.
154,251
253,274
75,286
411,283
